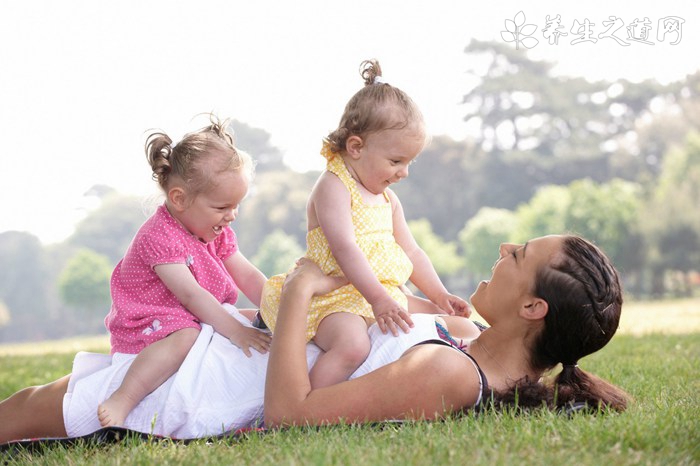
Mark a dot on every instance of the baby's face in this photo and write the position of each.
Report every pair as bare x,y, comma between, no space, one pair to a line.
386,155
211,211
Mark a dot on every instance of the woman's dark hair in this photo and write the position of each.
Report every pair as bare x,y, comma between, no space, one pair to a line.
376,107
583,292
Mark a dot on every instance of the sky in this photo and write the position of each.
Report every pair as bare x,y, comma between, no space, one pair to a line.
81,82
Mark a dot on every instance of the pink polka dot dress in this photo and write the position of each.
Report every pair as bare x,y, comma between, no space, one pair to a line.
143,309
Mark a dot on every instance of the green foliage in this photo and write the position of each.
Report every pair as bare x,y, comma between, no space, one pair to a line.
110,228
442,254
277,201
672,223
23,284
605,214
277,253
543,215
257,143
84,283
481,237
443,186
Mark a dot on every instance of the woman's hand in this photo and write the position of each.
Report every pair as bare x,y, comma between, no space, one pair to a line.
307,276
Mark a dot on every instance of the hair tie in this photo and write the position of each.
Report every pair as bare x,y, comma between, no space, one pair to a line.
379,80
569,366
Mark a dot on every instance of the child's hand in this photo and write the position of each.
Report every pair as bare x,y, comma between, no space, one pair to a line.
453,305
388,314
247,337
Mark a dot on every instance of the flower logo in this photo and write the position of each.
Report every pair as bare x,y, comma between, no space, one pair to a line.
519,32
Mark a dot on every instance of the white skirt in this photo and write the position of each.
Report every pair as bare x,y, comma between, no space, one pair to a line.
216,390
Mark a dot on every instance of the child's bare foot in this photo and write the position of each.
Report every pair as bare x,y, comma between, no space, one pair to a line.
111,413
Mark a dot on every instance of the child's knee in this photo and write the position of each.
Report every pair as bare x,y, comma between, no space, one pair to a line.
185,338
354,354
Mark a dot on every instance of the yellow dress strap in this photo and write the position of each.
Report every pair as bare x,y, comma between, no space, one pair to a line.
335,165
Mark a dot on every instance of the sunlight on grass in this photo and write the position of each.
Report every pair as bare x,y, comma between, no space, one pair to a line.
673,316
98,343
668,317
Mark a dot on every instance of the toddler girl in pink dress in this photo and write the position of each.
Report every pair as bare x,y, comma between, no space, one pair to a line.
182,265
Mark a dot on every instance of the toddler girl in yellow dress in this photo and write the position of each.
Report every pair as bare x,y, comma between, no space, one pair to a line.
356,228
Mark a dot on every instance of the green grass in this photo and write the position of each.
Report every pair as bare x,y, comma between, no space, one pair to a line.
661,371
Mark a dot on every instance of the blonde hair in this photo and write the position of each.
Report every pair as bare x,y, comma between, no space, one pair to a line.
197,158
378,106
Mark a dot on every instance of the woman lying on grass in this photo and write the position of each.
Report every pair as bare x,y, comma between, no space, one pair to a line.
553,300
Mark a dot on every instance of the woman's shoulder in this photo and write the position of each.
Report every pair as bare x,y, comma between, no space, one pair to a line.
461,327
441,372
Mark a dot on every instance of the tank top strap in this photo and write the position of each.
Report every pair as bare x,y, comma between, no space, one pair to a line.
335,165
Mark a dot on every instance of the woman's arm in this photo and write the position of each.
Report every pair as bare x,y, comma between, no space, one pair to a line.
425,383
248,278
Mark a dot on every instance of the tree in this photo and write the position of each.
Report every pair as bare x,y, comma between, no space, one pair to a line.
109,229
23,286
482,236
257,143
607,215
519,105
443,254
84,285
543,215
445,185
277,201
277,253
672,217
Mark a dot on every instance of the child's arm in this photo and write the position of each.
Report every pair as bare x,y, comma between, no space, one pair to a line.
201,303
248,278
330,201
424,275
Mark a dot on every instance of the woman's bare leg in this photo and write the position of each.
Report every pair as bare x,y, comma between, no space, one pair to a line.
153,366
34,412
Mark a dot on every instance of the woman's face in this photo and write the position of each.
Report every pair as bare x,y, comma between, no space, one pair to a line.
513,275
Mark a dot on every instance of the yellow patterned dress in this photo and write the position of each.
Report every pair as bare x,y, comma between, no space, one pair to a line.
374,234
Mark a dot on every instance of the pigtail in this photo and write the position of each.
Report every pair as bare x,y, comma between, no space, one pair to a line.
574,385
371,72
571,388
159,153
220,128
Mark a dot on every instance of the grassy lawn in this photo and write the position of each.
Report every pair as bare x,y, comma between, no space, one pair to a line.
655,357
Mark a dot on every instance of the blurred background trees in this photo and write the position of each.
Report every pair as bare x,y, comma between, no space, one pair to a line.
617,162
